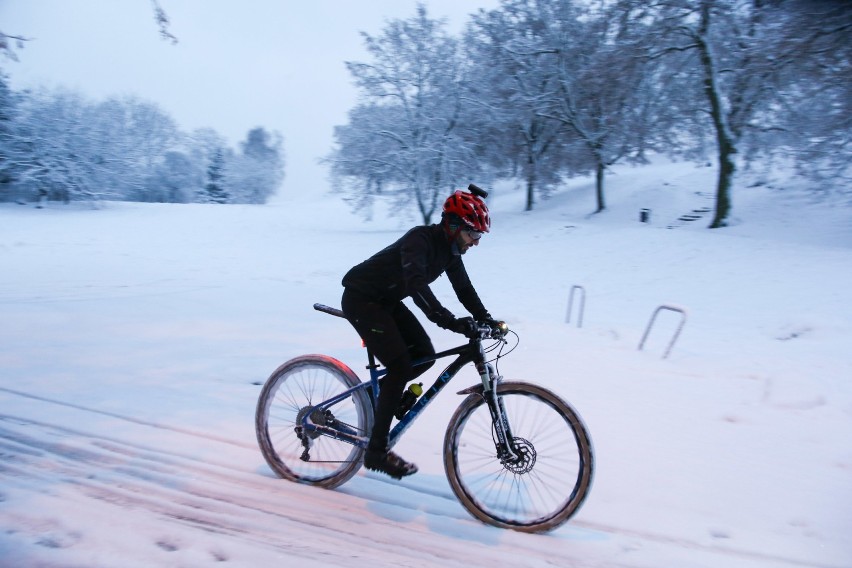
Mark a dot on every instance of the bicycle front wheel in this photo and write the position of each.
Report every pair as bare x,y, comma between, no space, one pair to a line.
292,391
551,475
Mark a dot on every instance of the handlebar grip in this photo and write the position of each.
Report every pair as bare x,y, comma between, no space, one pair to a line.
497,332
476,190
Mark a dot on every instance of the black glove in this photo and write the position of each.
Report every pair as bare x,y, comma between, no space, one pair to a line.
466,326
498,327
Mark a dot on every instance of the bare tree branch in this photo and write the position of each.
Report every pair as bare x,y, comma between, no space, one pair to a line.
163,23
7,48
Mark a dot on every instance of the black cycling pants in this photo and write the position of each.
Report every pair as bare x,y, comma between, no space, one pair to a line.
396,338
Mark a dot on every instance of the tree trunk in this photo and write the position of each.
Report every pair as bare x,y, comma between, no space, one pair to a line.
723,186
724,138
599,187
426,214
530,193
531,178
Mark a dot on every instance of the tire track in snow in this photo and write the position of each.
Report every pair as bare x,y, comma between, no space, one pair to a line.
295,519
224,499
205,435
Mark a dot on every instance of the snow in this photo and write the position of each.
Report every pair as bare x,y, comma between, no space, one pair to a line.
135,337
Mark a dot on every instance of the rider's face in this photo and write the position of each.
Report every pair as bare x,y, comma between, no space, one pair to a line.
467,239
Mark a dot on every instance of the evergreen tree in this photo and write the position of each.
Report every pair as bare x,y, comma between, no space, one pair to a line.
215,186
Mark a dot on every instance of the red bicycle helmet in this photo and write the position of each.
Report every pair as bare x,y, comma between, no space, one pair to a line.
471,209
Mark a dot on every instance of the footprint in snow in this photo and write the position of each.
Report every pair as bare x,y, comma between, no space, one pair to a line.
167,546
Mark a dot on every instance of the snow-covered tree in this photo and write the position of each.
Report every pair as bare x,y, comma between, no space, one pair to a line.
53,154
173,179
405,137
257,171
814,106
203,147
8,104
569,88
130,138
599,83
741,69
61,146
214,188
508,84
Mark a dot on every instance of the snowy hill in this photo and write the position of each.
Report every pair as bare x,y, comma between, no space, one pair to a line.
134,338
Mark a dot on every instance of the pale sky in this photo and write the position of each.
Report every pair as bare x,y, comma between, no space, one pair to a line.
238,63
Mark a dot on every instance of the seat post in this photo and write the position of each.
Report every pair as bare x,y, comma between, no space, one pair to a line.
371,360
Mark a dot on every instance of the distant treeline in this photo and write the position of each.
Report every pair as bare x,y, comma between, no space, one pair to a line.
56,145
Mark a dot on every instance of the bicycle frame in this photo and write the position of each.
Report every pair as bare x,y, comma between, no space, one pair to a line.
472,352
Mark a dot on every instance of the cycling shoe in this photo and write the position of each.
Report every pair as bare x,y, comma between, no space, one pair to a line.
388,463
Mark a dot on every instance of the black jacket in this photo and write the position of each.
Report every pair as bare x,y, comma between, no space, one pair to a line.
407,267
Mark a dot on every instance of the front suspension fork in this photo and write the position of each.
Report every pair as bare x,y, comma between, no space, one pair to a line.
502,430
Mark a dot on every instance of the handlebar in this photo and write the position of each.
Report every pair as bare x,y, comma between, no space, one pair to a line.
486,331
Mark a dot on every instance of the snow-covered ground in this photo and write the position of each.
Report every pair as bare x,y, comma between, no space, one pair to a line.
134,338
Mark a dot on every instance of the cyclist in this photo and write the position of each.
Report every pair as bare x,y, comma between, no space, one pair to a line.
372,302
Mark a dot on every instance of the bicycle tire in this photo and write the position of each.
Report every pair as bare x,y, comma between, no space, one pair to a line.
293,387
537,494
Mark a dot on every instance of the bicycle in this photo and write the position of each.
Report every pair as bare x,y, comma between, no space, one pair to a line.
516,455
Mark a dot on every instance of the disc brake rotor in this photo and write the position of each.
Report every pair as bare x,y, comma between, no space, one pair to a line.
526,457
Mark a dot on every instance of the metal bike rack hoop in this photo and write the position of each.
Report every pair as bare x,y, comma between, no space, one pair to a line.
677,309
582,301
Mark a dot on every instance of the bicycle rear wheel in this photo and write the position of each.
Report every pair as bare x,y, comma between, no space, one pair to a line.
288,394
540,490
